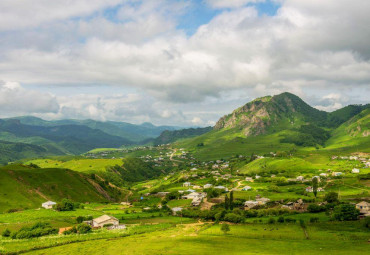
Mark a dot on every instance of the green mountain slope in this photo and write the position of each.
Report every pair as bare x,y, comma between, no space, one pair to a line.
354,134
133,133
25,187
280,123
172,136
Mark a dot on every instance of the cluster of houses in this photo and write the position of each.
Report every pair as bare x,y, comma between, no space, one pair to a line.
197,197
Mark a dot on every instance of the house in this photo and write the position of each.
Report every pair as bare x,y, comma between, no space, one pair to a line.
364,208
257,177
250,204
249,179
190,190
176,210
309,189
186,184
222,187
355,170
194,169
207,186
162,194
323,175
300,178
336,173
127,203
262,200
246,188
104,220
197,187
48,204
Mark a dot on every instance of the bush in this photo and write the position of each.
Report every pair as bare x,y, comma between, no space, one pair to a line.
367,222
314,208
314,219
302,223
6,233
281,219
65,205
271,221
225,228
331,197
346,212
232,217
83,228
80,219
37,230
290,220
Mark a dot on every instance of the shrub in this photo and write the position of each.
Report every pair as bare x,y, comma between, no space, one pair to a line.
281,219
65,205
83,228
302,223
271,221
290,220
232,217
314,219
346,212
225,228
37,230
314,208
367,222
80,219
6,233
331,197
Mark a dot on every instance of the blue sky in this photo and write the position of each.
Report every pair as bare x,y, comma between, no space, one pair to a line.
148,61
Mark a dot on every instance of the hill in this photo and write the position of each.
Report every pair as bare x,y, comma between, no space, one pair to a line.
280,123
26,187
168,136
64,139
131,132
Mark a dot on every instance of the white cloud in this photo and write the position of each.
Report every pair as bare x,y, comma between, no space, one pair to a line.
15,100
230,3
309,48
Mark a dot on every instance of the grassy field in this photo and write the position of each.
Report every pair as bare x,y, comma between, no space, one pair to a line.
242,239
79,165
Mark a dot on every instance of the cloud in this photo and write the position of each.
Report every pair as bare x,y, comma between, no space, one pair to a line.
14,99
230,3
308,48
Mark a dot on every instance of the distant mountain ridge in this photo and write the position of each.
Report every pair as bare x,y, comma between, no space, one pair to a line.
168,136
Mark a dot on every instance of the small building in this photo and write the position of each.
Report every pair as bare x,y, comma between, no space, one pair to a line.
186,184
364,208
323,174
249,179
104,220
162,194
246,188
355,170
207,186
222,187
197,187
48,204
300,178
176,210
309,189
336,173
250,204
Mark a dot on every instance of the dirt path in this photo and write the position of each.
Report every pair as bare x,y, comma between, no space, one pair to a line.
206,205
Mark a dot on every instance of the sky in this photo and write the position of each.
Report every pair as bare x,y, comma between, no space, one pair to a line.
178,62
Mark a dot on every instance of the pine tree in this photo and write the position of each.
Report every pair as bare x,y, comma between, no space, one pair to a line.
227,203
315,184
231,200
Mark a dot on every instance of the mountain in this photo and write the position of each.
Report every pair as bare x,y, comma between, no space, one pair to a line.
133,133
71,139
275,123
168,136
26,187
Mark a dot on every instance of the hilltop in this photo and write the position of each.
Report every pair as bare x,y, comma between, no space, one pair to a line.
280,123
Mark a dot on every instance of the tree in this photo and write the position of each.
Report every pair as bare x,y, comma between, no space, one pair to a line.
227,204
281,219
231,200
225,228
232,217
65,205
315,184
80,219
6,233
346,212
83,228
331,197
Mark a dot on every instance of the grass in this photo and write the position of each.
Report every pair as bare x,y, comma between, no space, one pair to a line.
242,239
22,187
79,165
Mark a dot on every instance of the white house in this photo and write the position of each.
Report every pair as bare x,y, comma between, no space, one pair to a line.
104,220
250,204
336,174
300,178
207,186
355,170
246,188
186,184
323,174
222,187
48,204
249,179
364,208
175,210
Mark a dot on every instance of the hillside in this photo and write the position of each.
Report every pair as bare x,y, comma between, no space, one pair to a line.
280,123
14,151
25,187
172,136
133,133
65,139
